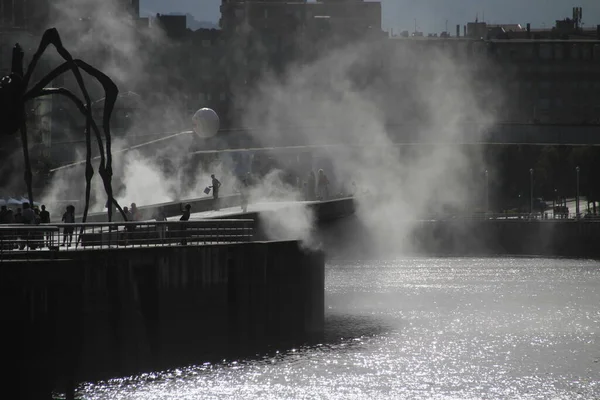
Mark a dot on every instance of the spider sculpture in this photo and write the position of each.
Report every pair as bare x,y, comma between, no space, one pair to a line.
15,93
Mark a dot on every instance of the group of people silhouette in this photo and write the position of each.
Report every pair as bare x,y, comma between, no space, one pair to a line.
28,215
316,187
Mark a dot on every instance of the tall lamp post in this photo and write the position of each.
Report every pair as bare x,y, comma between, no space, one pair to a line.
577,194
487,193
531,191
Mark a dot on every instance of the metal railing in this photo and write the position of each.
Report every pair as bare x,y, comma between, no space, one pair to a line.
545,216
16,238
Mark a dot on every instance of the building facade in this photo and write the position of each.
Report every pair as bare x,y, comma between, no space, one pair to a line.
264,37
540,76
24,14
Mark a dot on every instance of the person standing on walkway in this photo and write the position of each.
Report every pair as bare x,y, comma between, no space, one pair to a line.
127,217
44,215
161,216
45,219
3,215
27,218
18,216
185,217
322,186
136,215
245,192
68,218
215,188
28,215
311,183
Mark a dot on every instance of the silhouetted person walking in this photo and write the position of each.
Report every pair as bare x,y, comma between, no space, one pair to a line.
215,188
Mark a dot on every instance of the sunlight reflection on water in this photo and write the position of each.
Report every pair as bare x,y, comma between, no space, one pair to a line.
435,328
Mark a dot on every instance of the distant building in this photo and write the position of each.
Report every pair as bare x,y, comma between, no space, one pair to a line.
278,17
133,6
24,14
547,75
175,26
261,36
550,80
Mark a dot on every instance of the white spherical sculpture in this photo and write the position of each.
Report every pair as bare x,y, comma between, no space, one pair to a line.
205,123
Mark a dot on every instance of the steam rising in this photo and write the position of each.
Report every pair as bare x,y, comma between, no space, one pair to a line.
362,95
346,97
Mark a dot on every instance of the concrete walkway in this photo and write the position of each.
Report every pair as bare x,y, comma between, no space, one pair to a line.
252,208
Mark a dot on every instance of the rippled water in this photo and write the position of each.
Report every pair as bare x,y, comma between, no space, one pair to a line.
438,328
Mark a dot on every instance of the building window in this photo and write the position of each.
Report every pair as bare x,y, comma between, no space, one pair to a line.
206,43
223,96
266,13
201,96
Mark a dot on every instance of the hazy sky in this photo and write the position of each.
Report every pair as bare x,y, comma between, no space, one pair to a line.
430,15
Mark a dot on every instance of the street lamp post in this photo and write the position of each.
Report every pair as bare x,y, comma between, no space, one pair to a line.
577,194
531,191
487,192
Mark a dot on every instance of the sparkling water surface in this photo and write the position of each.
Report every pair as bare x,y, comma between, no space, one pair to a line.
421,328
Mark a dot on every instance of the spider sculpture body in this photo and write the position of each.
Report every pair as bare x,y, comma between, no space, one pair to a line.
15,92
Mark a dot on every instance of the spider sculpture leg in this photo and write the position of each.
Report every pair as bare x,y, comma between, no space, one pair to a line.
111,92
94,126
17,71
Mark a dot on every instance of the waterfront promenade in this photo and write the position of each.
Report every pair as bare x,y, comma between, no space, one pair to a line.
330,222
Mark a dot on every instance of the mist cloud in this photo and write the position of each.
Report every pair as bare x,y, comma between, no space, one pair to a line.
364,95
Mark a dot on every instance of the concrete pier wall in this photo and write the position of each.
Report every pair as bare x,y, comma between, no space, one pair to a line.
106,313
565,238
350,237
